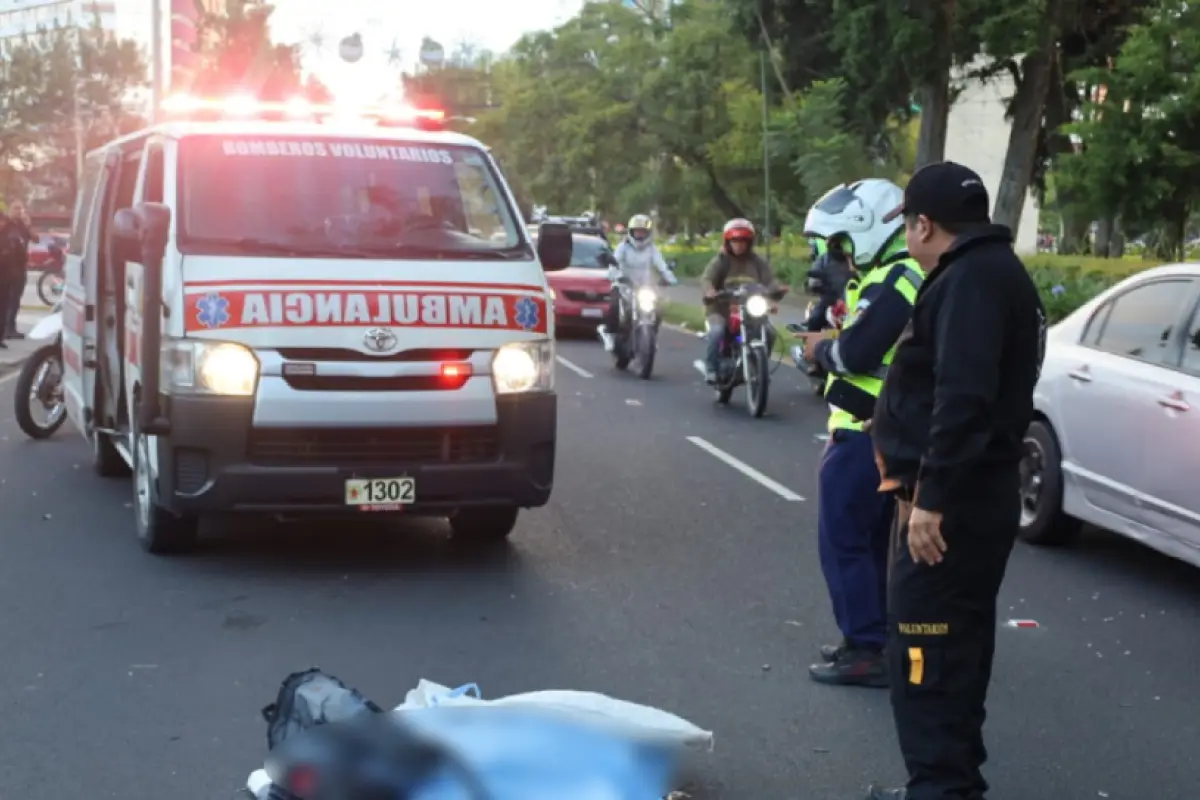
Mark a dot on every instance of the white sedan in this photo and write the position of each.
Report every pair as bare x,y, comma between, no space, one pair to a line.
1116,435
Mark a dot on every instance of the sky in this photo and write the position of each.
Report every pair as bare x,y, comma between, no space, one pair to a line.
401,24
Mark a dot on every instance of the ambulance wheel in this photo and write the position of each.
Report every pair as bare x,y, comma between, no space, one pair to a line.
484,525
106,460
159,531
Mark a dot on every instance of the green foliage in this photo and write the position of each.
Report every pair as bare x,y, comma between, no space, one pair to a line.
47,82
236,53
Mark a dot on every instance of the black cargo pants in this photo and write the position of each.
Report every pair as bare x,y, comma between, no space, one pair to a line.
941,641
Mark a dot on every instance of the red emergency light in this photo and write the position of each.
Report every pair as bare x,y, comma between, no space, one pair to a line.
299,109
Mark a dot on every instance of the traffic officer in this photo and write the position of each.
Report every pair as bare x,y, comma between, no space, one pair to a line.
948,431
854,517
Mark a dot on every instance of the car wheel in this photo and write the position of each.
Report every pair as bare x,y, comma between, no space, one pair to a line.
158,530
1042,519
484,525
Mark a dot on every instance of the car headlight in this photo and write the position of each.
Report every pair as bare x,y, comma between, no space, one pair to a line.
524,367
757,306
196,366
647,299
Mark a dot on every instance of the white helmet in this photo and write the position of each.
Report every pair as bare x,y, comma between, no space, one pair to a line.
857,210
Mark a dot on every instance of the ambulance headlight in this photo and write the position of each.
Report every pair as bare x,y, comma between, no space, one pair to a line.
194,366
524,367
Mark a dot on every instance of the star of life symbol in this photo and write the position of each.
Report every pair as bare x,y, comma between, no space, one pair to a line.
212,310
527,314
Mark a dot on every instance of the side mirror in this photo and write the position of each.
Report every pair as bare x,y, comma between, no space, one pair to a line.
607,259
554,246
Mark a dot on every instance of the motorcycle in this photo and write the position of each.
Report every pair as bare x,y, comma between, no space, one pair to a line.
51,281
745,350
636,339
815,373
39,386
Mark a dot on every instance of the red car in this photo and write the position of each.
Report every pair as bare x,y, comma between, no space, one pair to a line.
581,291
51,229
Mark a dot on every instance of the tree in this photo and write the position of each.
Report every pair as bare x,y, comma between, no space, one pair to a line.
52,80
235,52
1139,155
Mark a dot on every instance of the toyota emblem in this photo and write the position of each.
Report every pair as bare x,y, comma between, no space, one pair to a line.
379,340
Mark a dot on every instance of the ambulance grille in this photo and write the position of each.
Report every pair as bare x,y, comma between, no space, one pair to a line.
342,447
346,354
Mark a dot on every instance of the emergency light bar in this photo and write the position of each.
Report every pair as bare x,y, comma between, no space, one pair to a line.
298,109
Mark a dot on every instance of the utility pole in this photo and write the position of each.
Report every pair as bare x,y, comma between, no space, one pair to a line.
762,62
156,58
76,77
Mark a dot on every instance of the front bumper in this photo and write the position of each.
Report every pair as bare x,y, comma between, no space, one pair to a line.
215,461
569,313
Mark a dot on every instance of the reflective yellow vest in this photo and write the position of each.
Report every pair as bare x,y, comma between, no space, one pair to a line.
907,282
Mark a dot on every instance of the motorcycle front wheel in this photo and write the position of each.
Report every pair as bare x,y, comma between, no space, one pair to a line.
50,287
647,346
757,371
39,387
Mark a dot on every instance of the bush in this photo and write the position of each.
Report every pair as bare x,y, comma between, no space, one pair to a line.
1064,282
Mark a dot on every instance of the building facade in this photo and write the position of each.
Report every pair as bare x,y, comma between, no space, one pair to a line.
977,135
126,19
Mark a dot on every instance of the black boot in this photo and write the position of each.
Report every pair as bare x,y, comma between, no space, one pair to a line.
879,793
853,668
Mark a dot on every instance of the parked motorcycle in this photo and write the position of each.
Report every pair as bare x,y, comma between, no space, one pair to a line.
39,388
636,339
745,354
51,281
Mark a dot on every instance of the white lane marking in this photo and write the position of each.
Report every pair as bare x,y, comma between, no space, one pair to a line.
578,370
747,470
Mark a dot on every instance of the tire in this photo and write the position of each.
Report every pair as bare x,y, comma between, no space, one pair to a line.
43,356
158,531
1042,519
106,460
45,282
621,358
758,380
647,348
484,525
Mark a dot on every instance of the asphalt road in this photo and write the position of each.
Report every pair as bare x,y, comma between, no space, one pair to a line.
659,573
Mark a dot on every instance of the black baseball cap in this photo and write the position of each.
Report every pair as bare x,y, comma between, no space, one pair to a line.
946,192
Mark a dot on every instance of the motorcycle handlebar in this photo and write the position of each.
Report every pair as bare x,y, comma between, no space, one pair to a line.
741,293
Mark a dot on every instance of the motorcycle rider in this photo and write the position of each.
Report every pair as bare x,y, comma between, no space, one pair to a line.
736,260
828,278
854,517
636,258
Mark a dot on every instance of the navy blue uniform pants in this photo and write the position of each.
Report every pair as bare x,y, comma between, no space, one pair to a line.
853,526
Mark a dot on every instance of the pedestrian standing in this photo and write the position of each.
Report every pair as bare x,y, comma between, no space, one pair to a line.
853,516
15,277
948,430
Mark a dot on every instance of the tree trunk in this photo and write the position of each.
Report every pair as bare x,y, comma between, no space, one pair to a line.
934,95
934,99
1029,105
721,197
1104,235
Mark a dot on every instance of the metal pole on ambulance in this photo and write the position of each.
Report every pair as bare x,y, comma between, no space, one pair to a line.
156,58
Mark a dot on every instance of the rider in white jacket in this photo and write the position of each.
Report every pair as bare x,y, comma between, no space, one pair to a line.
637,262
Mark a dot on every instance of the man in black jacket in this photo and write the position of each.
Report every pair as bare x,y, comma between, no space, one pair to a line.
15,237
948,430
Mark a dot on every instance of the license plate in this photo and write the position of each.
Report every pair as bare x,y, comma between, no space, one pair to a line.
381,494
592,313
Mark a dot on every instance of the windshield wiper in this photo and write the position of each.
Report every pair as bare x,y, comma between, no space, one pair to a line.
448,254
276,247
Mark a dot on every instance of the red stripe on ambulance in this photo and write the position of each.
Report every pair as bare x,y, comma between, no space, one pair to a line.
212,310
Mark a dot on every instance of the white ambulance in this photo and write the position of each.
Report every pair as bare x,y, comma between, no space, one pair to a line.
290,310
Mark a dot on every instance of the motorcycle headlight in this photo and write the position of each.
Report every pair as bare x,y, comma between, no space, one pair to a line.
524,367
197,366
757,306
647,299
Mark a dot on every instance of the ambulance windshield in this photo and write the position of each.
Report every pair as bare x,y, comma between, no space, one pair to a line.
367,198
